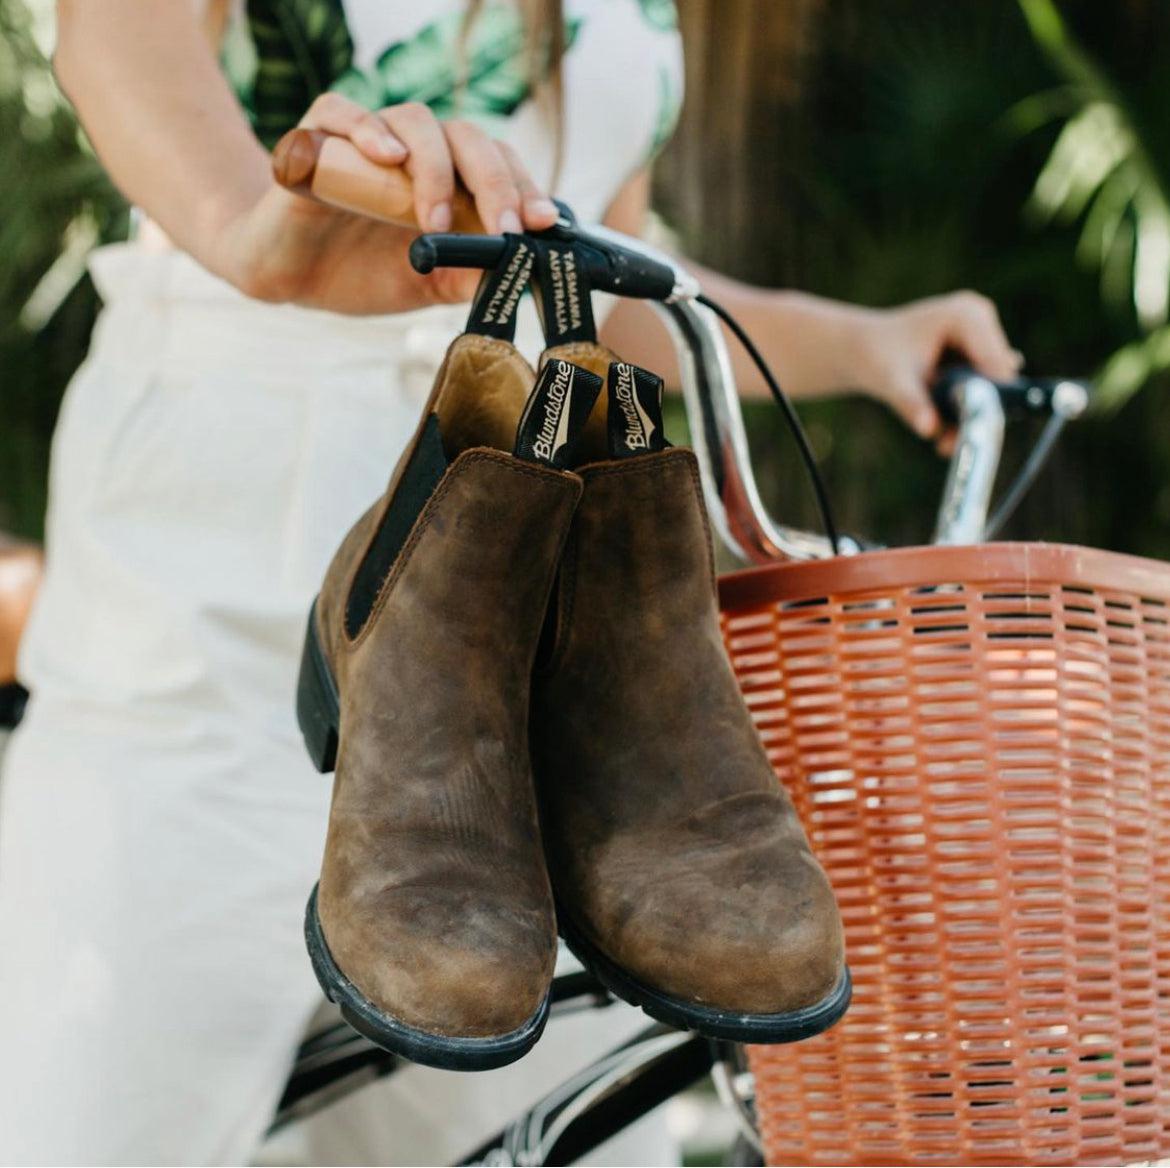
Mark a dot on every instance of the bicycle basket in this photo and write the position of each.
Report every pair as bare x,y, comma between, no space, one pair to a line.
978,742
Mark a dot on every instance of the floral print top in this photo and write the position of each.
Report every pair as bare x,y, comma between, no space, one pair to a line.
622,72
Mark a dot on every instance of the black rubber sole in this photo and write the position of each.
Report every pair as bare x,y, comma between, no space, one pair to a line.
419,1046
318,706
758,1029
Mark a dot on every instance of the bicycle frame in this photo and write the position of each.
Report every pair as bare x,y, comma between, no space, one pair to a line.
569,1121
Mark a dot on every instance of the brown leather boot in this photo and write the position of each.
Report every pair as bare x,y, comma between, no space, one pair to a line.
432,926
682,875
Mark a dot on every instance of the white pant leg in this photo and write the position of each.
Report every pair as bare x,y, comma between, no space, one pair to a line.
154,982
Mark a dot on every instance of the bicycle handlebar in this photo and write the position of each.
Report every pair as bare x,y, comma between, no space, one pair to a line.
332,170
605,265
1021,397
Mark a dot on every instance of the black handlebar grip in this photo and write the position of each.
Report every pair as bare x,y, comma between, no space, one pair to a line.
605,268
431,251
1020,397
623,273
942,392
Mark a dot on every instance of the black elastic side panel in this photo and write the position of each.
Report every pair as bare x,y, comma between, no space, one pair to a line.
493,311
556,413
563,299
418,483
634,411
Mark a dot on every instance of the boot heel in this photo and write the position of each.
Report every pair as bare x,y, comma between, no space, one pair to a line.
318,710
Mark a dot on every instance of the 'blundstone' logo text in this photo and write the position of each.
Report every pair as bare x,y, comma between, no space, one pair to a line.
506,295
554,426
639,427
562,267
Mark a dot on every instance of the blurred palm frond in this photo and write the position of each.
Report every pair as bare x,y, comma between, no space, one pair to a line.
1104,173
58,203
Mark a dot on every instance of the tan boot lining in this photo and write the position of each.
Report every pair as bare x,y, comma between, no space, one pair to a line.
485,385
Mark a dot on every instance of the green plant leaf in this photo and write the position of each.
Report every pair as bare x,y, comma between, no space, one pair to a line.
1101,173
1131,367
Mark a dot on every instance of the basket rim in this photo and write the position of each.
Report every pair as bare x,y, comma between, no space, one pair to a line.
989,563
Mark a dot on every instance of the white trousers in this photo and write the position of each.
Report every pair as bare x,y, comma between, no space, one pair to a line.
160,825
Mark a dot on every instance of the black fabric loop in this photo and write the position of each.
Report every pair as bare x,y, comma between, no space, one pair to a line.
493,311
634,414
563,294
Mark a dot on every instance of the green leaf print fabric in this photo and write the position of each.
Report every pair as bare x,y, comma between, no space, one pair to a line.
661,14
291,51
279,55
426,68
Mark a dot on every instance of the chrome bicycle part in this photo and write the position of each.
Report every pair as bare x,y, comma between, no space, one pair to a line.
719,439
736,1087
962,517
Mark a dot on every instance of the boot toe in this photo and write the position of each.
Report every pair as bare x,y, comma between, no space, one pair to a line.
746,923
463,966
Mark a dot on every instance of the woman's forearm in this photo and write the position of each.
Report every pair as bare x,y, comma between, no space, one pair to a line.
149,93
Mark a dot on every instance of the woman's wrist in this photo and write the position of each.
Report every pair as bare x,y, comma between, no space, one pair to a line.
828,347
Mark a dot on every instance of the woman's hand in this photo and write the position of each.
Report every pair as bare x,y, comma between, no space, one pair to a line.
285,247
153,100
897,352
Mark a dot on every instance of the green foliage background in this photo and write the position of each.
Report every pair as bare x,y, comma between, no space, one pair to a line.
925,132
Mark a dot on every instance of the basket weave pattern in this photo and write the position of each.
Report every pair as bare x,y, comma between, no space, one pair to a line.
978,743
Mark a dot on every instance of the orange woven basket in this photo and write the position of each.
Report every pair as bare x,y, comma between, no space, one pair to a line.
978,742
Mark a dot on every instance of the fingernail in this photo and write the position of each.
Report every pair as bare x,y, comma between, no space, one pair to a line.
1019,359
391,147
543,208
509,222
441,217
924,423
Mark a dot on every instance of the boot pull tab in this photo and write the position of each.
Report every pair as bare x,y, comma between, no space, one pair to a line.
563,296
556,413
634,413
493,311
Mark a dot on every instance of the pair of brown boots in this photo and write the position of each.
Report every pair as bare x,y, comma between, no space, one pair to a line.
517,669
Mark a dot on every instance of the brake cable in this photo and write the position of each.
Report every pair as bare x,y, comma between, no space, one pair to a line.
790,416
1023,482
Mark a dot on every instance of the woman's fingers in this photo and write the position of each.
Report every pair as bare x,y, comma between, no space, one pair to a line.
537,209
369,133
906,396
429,164
974,328
434,153
486,174
909,343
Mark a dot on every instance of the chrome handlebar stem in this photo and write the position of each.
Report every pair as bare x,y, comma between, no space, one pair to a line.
962,515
